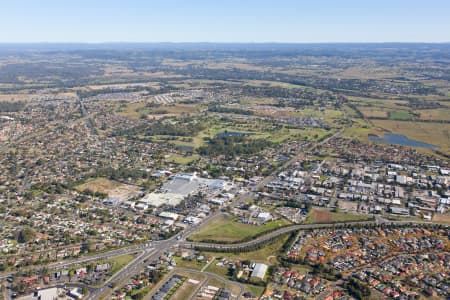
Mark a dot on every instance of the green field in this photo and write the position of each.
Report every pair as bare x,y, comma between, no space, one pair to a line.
400,115
255,289
274,84
437,134
224,228
267,254
119,262
189,264
360,129
221,271
325,113
256,128
181,159
136,110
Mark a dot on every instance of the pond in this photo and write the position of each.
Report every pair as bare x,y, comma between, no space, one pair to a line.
232,133
398,139
185,148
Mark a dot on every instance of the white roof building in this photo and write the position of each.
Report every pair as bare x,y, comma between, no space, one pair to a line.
259,271
76,293
48,294
141,206
192,220
169,215
264,216
158,199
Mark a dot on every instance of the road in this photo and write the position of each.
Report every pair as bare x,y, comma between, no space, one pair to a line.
294,159
289,229
208,275
161,246
84,114
219,278
100,256
153,250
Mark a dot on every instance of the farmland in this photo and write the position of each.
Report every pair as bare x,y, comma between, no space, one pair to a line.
126,151
433,133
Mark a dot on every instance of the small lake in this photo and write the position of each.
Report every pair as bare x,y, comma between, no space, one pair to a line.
398,139
185,148
232,133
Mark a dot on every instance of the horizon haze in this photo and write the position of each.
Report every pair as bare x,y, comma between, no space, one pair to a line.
285,21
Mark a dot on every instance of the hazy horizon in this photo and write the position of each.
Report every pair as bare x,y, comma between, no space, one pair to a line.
201,21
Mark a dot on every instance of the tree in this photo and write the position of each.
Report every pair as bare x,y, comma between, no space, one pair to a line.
25,235
71,273
84,290
357,289
90,267
44,271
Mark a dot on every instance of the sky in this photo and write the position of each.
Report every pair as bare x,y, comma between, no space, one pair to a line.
241,21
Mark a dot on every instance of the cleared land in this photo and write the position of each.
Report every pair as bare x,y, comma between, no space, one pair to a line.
234,288
112,188
370,112
224,228
186,290
190,264
442,218
317,215
435,114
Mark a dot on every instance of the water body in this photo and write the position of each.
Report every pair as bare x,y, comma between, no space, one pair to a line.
232,133
398,139
185,148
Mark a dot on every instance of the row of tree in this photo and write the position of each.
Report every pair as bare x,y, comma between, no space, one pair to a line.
11,106
233,146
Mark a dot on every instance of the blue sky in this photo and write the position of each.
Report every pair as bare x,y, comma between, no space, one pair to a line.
297,21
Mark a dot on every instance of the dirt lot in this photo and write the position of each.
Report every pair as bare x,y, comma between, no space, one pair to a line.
114,189
442,218
323,216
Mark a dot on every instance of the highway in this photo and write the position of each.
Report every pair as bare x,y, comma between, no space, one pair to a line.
152,250
161,246
100,256
288,229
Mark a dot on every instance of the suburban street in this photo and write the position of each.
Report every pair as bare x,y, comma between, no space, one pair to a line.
152,250
161,246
